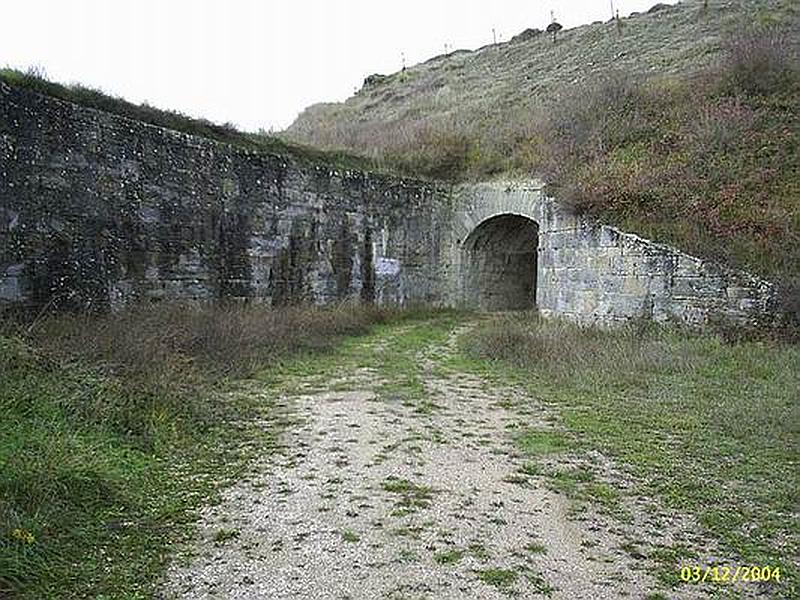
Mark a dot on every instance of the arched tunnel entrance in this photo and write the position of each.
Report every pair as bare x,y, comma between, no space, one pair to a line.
501,254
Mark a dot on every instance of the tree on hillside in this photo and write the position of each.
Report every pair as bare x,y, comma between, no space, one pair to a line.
554,28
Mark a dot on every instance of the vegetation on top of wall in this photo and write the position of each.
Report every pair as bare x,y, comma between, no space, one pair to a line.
707,163
35,80
116,428
680,125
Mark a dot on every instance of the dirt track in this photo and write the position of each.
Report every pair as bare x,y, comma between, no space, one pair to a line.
385,490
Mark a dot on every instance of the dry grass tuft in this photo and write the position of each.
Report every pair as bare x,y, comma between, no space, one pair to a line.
162,359
563,349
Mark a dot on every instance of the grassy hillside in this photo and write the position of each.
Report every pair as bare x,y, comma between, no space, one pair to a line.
680,124
491,96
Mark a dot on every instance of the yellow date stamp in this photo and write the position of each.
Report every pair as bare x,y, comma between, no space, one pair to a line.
729,574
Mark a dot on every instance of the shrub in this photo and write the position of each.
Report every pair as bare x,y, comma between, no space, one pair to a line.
115,430
165,356
760,60
438,154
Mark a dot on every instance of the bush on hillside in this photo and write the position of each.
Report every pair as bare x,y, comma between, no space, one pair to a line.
698,162
760,60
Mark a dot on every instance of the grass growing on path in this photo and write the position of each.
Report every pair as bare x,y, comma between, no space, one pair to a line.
393,350
711,428
117,428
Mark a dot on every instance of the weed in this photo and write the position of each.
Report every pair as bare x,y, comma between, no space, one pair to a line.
501,578
449,557
516,479
535,548
223,535
412,496
478,551
350,536
408,555
538,442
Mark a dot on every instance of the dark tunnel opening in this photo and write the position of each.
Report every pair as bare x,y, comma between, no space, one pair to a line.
501,256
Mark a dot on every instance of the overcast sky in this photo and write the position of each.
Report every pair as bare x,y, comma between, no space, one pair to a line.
257,63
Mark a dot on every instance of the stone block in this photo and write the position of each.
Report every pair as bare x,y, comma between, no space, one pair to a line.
611,284
11,290
599,263
625,265
586,302
688,266
697,287
609,238
635,286
733,292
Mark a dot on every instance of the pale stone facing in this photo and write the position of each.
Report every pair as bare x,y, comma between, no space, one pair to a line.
597,274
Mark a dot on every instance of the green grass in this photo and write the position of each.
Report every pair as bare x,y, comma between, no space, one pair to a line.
118,428
224,535
350,536
449,557
710,428
478,551
411,496
603,494
537,442
536,548
104,509
501,578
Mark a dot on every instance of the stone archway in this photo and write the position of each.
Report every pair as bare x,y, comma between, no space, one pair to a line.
500,257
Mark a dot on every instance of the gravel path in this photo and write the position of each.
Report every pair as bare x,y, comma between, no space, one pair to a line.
376,496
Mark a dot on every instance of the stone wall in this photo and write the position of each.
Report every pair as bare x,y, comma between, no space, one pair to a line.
597,274
97,210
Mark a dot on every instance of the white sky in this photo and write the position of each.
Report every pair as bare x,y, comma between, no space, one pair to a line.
258,63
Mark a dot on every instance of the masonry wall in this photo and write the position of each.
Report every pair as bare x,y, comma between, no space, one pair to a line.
598,273
97,210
